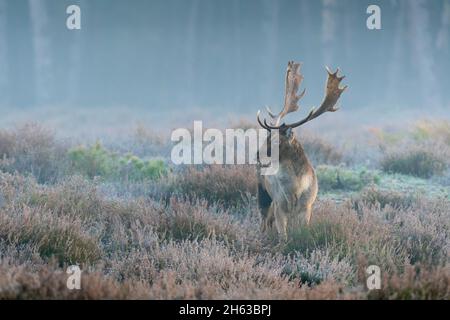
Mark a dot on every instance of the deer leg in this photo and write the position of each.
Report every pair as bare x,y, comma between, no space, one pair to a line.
266,207
268,219
281,222
305,203
308,213
312,198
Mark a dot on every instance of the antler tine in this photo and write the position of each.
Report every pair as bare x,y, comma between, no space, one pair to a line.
265,126
335,74
271,114
332,93
293,79
292,83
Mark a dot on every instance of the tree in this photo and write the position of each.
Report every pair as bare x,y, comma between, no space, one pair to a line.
3,54
422,53
41,50
329,27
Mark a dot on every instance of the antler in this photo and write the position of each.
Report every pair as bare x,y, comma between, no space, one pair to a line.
332,94
293,80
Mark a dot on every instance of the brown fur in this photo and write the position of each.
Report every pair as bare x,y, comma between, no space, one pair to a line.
286,198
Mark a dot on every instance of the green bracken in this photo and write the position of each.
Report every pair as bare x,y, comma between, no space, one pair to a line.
97,161
337,178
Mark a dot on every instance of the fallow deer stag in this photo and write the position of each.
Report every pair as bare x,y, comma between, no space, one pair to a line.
286,197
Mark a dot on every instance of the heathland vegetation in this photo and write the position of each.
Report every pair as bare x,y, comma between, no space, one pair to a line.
140,227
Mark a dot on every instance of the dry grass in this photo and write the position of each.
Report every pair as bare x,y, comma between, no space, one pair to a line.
422,150
195,235
420,161
375,197
229,186
32,149
319,150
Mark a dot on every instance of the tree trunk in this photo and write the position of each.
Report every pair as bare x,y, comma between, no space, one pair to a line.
3,55
422,53
329,25
42,51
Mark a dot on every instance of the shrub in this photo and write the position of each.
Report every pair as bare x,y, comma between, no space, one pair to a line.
319,266
195,246
52,237
428,130
49,282
13,187
207,269
136,169
336,178
387,139
75,197
194,220
347,234
320,151
93,161
419,162
320,234
32,149
145,142
97,161
375,197
423,231
416,283
229,186
6,144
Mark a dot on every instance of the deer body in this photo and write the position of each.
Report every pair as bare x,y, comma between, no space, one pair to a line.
286,198
292,191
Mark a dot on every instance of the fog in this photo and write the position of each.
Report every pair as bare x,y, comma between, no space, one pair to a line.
162,62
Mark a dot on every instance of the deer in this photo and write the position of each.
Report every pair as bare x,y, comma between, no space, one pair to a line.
286,197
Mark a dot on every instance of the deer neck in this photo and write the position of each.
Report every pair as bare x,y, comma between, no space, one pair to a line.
292,151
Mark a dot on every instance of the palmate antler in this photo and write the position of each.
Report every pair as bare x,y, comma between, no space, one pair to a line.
293,79
292,83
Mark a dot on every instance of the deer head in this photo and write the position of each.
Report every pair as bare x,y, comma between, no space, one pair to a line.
292,83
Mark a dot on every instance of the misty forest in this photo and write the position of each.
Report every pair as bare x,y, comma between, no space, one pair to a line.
86,177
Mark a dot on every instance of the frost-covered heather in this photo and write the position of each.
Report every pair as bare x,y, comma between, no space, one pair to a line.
193,232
